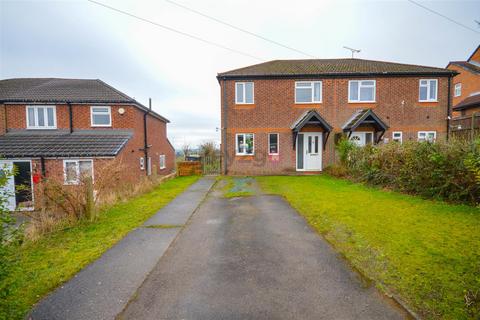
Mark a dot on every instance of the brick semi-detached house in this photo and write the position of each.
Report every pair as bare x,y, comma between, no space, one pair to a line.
66,128
284,116
466,85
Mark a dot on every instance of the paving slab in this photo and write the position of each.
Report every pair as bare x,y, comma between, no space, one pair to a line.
103,288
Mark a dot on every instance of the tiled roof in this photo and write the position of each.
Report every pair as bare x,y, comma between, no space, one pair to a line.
55,90
311,116
87,143
470,102
364,116
332,67
467,65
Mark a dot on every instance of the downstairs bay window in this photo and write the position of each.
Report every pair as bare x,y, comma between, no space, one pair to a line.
244,143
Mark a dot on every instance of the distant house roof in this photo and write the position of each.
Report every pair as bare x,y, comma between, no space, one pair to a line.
466,65
332,67
84,143
467,103
55,90
362,117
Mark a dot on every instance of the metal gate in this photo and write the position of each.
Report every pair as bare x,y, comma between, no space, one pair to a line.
211,164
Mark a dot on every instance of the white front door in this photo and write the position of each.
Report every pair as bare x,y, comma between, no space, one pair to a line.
313,151
8,191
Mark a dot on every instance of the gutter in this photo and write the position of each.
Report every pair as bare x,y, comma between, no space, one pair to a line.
224,127
449,104
70,113
336,75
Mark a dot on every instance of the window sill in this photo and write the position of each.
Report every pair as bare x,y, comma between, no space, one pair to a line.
308,105
248,157
366,102
101,126
41,128
244,106
427,101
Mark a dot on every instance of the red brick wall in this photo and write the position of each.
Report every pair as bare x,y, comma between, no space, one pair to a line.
470,83
275,111
132,119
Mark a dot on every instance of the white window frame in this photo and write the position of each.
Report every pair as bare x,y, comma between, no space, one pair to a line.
77,167
142,163
244,92
400,138
45,116
359,87
457,92
162,161
428,90
278,144
312,87
244,139
102,113
426,134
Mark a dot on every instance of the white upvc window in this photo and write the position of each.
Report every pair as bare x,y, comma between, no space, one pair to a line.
430,136
397,136
273,144
244,92
41,117
101,116
244,143
428,90
308,91
458,90
361,90
162,161
75,170
142,163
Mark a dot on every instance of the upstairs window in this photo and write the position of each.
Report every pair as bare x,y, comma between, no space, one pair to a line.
101,116
428,90
244,144
41,117
244,92
361,90
458,90
308,92
429,136
77,170
273,143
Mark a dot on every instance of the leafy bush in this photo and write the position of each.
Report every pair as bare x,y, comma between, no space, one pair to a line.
442,170
10,236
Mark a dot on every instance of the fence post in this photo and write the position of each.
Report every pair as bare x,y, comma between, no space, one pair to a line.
89,200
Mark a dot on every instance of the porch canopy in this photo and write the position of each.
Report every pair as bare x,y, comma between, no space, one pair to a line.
365,119
311,118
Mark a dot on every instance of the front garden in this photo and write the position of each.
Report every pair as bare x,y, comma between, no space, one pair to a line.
39,265
425,252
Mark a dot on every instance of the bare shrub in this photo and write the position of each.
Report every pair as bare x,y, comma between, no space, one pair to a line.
60,205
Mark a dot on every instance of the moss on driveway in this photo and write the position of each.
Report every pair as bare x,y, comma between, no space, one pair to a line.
44,265
426,252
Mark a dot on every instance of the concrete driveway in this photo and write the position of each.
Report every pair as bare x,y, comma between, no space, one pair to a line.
254,258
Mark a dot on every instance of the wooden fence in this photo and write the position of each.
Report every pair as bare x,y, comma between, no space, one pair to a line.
466,127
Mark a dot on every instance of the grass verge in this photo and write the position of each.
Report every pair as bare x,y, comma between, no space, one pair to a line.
426,252
43,265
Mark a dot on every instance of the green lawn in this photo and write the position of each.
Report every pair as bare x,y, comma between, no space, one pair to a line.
426,252
44,265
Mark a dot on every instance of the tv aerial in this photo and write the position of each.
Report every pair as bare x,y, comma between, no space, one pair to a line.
352,50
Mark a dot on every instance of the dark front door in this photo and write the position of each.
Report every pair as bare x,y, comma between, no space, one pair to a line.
23,184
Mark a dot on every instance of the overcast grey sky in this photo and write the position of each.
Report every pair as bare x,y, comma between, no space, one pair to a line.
78,39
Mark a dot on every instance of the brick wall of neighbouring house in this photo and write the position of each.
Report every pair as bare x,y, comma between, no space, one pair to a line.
470,83
274,111
130,155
